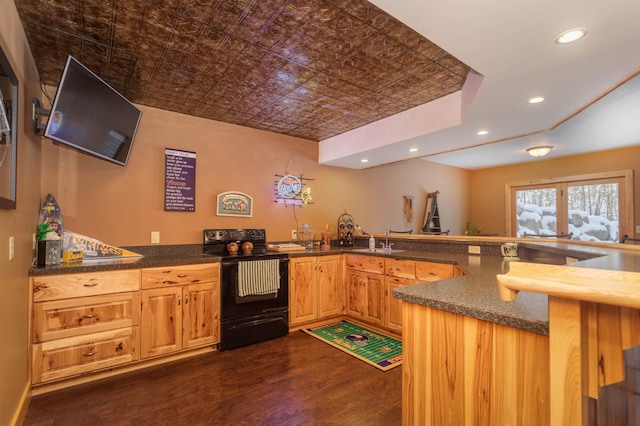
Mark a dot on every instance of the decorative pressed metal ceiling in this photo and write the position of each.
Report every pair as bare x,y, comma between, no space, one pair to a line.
307,68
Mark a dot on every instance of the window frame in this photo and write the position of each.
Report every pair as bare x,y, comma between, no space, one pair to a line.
624,178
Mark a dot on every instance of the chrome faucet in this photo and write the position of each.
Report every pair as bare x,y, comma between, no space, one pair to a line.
386,246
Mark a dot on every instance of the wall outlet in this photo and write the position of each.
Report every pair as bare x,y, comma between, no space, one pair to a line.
11,248
637,229
155,237
294,234
474,249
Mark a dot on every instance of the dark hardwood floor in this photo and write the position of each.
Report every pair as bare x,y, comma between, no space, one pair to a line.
294,380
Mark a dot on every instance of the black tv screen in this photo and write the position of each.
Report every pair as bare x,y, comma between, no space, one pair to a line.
89,115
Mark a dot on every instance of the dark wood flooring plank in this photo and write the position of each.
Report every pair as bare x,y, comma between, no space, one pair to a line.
294,380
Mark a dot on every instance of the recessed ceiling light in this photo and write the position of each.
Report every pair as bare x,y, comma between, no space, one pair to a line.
482,132
364,160
539,151
413,149
571,35
535,100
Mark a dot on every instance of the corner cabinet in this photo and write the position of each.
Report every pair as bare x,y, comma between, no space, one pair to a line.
83,323
316,288
371,281
180,308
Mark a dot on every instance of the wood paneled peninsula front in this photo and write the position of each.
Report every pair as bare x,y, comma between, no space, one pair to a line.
472,358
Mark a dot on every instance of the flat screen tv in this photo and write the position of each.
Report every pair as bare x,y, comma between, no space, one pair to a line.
89,115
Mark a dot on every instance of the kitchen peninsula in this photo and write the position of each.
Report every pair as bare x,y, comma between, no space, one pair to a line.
470,357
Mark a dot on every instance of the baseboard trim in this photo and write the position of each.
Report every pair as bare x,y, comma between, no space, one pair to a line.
21,410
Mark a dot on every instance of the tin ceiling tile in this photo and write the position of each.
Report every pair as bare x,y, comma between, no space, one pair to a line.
307,68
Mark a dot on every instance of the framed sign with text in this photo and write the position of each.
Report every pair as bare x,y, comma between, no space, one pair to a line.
179,181
234,203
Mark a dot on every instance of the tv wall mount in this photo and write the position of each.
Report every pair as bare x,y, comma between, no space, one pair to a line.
37,112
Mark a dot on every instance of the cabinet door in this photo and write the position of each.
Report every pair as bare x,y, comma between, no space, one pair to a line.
329,285
161,321
374,290
356,295
302,290
393,306
200,315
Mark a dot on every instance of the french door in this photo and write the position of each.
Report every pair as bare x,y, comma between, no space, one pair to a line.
595,207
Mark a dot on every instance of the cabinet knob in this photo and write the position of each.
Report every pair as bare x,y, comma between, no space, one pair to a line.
89,316
182,276
433,273
90,353
179,299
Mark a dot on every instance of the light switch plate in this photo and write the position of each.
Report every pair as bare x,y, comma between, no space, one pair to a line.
637,229
155,237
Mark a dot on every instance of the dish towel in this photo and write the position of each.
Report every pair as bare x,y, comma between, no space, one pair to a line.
257,277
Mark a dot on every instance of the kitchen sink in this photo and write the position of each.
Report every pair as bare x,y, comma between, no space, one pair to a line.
378,250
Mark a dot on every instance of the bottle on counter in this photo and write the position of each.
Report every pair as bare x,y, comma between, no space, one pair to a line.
372,243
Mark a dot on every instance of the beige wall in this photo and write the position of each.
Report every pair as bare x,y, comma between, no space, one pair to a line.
122,205
487,185
18,223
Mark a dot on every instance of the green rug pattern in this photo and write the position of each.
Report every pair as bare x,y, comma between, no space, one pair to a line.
375,348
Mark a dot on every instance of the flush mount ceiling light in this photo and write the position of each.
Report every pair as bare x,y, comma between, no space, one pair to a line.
413,150
482,132
539,151
571,35
364,160
535,100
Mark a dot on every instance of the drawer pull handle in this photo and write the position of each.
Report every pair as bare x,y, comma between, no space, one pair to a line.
90,353
90,284
182,276
433,273
179,298
89,316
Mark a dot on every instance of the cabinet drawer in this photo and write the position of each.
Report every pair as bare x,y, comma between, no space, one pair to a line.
65,286
76,355
400,268
58,319
427,271
180,275
365,263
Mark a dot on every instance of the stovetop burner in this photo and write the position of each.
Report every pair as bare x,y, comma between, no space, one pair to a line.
215,241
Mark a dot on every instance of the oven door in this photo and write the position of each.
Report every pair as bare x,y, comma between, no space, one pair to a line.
234,306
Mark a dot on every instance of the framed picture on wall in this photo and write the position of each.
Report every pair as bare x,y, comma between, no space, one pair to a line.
234,203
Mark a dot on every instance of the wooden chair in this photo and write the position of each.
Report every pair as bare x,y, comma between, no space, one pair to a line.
562,235
628,240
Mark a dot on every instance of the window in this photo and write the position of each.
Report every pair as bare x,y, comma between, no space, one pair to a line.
596,207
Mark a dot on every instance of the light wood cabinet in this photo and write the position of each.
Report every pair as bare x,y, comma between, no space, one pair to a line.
316,289
393,306
83,323
431,271
177,314
372,279
365,293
